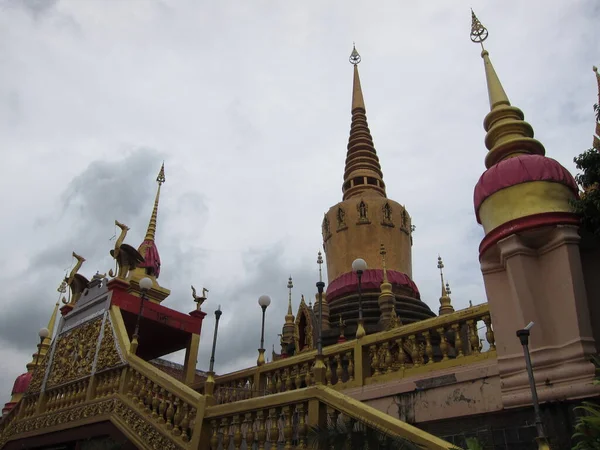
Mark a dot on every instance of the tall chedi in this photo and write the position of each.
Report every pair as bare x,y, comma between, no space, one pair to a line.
530,256
356,227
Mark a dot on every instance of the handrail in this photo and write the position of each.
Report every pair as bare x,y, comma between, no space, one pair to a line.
427,345
331,398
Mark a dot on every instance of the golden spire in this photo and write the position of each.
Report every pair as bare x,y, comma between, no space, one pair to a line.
152,225
44,345
507,133
445,301
596,142
362,175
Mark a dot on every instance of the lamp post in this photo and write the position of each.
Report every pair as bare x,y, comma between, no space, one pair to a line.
523,336
320,286
145,285
264,301
359,265
209,385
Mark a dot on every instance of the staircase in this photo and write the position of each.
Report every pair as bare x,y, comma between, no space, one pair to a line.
155,411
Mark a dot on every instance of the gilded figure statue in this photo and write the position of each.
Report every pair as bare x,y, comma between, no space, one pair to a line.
126,257
341,217
362,211
199,299
387,213
76,282
326,229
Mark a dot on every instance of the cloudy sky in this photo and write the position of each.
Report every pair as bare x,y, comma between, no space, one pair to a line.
248,104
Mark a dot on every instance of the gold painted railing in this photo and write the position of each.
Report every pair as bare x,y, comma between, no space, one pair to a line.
153,409
285,421
428,345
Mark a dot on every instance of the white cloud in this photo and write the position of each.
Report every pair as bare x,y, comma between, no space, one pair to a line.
249,106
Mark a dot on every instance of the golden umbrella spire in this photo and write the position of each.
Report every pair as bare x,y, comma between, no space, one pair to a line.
151,232
362,174
507,133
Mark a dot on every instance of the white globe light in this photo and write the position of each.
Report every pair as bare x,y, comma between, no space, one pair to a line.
44,333
359,264
145,284
264,301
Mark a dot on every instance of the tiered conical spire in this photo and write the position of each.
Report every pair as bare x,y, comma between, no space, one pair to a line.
507,133
362,175
148,248
596,143
151,232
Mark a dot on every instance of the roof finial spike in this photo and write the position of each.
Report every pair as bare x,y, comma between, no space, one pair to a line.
440,266
151,232
355,58
320,263
479,33
290,285
382,252
445,301
496,93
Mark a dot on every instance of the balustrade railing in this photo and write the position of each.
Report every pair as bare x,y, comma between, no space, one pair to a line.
292,420
463,337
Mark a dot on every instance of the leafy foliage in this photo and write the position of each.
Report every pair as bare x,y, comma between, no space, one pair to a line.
587,427
588,205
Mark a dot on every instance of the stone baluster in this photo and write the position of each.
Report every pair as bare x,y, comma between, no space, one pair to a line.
350,369
170,411
414,350
249,424
274,429
489,333
374,359
279,386
261,434
443,343
428,347
339,369
457,341
298,379
288,430
226,435
237,432
162,406
473,337
307,376
328,372
302,427
401,355
387,358
214,438
288,379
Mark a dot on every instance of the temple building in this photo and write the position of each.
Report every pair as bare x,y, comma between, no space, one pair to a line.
365,352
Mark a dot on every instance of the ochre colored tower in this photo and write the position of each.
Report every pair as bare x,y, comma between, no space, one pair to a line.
356,227
531,256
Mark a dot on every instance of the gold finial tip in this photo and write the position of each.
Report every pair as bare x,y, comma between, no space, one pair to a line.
479,33
161,174
354,56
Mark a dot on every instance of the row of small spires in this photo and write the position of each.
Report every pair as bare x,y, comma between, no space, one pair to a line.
445,301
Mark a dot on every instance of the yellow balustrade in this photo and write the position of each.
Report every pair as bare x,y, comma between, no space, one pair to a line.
286,419
428,345
273,403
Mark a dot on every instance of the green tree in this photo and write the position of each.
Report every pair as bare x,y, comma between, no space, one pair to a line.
588,205
587,426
